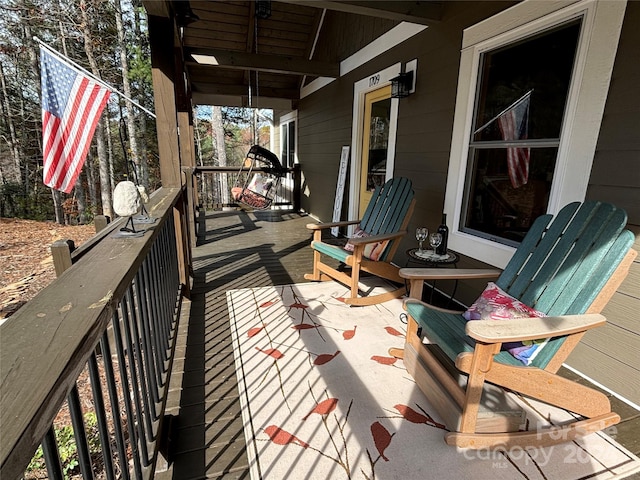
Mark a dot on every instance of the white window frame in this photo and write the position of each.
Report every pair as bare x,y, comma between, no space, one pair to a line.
285,120
360,89
598,43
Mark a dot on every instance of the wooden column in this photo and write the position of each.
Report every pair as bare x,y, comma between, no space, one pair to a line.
161,37
172,123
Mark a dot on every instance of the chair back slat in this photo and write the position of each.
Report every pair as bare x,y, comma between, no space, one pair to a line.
541,245
576,273
561,267
388,207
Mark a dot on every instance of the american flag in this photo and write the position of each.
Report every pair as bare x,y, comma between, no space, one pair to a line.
71,107
514,125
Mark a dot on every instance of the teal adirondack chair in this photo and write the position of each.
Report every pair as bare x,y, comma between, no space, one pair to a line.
381,228
568,269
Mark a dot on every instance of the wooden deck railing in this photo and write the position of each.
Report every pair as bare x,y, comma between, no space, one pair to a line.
114,313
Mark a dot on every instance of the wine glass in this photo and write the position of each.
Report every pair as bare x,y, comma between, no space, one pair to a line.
421,235
435,239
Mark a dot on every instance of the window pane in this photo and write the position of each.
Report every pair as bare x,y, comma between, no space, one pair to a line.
494,208
540,64
520,105
284,148
292,143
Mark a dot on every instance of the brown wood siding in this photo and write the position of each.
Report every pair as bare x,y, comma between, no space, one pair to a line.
324,126
611,355
425,119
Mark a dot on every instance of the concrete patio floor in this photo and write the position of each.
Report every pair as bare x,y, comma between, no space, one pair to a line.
239,249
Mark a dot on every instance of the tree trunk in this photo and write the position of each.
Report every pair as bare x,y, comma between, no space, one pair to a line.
10,169
142,119
91,181
57,206
131,124
105,178
105,183
81,197
196,130
218,130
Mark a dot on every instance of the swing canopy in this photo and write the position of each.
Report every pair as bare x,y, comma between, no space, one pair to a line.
258,190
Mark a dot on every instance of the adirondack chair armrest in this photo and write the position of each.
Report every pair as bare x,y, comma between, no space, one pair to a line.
448,273
428,305
519,329
375,238
322,226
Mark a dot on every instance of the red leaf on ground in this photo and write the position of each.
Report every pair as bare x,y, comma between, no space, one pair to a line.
324,407
282,437
416,417
381,437
324,358
304,326
298,305
410,414
394,332
254,331
349,334
272,352
266,304
384,360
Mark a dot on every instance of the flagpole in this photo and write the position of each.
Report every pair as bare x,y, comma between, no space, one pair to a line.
503,111
84,71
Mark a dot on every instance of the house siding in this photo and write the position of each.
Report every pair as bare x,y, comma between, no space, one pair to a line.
611,354
608,355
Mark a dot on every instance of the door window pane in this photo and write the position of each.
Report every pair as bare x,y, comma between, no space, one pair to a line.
378,143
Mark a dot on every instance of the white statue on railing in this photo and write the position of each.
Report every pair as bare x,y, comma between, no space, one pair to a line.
128,200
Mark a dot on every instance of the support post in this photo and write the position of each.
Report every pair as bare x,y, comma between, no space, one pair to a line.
101,222
61,253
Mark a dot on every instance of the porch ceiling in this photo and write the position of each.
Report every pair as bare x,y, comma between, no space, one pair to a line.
227,50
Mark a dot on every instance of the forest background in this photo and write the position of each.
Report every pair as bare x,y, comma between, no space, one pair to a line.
109,39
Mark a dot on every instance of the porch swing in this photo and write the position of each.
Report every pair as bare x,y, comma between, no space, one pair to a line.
258,189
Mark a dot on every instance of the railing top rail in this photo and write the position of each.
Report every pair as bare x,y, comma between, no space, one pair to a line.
45,344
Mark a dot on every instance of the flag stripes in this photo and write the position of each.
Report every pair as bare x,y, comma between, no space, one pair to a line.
514,125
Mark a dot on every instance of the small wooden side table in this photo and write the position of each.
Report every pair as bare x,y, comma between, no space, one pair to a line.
428,259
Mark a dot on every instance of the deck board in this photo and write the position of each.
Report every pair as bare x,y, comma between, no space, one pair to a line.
241,249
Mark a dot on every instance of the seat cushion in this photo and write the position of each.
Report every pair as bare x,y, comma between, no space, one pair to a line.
495,304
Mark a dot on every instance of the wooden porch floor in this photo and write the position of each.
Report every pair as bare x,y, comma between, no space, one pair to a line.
240,249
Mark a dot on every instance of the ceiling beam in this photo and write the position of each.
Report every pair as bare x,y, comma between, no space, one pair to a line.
263,63
421,12
242,101
238,90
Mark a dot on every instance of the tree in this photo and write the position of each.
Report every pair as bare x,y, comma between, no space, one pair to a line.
86,31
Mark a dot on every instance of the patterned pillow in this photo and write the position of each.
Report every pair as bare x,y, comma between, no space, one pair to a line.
372,251
496,304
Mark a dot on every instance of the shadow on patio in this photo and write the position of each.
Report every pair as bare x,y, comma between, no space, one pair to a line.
236,249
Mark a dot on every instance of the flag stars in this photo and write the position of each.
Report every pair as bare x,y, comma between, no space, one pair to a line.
57,83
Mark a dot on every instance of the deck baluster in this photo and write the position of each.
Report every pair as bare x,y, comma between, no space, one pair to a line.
121,445
103,429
